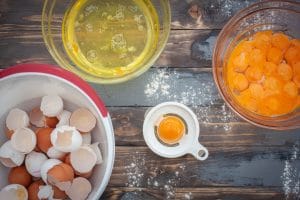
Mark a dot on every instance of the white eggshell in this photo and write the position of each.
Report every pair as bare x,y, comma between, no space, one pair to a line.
10,157
37,117
63,142
64,118
96,149
52,105
45,192
33,162
54,153
23,140
86,138
16,119
83,160
14,192
47,165
80,189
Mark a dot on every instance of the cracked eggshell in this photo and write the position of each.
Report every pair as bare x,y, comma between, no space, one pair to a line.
10,157
19,175
50,122
36,117
51,105
66,139
16,119
44,139
34,189
23,140
83,160
45,192
47,165
34,162
86,138
56,154
60,173
64,118
83,120
14,192
80,189
96,149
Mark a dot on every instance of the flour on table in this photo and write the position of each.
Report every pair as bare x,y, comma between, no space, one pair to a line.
165,85
155,177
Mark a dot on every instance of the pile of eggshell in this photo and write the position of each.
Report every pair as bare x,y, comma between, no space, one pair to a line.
49,152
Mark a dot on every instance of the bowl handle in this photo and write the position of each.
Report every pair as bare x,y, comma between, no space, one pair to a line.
199,151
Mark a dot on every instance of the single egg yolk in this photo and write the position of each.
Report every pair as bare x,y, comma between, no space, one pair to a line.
171,129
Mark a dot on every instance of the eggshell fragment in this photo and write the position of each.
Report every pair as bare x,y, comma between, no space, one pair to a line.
16,119
44,139
34,189
86,138
8,133
64,118
80,189
60,173
47,165
34,162
58,194
66,139
83,120
96,149
23,140
85,175
54,153
19,175
10,157
50,122
51,105
83,160
14,192
36,117
45,192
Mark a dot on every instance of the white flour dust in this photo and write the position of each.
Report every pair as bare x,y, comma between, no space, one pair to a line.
168,85
291,176
154,177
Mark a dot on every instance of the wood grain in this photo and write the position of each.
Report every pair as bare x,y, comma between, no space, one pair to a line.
231,165
232,193
217,129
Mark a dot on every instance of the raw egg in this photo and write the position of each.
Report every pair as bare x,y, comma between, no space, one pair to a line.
170,129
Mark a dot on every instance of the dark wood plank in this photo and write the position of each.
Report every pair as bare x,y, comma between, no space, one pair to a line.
219,127
232,193
233,165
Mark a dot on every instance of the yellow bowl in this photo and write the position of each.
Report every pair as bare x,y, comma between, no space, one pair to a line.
52,29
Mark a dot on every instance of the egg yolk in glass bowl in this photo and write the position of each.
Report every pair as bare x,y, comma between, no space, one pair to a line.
263,73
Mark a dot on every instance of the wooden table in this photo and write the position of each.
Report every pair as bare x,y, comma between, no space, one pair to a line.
245,162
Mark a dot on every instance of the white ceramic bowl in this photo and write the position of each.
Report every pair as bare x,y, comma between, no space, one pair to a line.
23,86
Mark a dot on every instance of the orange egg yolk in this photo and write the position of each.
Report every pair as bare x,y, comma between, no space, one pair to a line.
171,129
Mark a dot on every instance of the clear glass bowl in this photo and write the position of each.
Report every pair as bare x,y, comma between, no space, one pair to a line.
281,16
52,21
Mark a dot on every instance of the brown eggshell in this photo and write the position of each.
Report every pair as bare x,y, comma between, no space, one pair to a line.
67,159
19,175
50,122
33,190
84,175
43,139
80,189
60,173
83,120
58,194
36,117
9,133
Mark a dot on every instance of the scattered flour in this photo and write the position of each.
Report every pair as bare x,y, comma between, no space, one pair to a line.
155,177
291,176
167,85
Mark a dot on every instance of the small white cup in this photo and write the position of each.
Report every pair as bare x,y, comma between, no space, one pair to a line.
188,144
